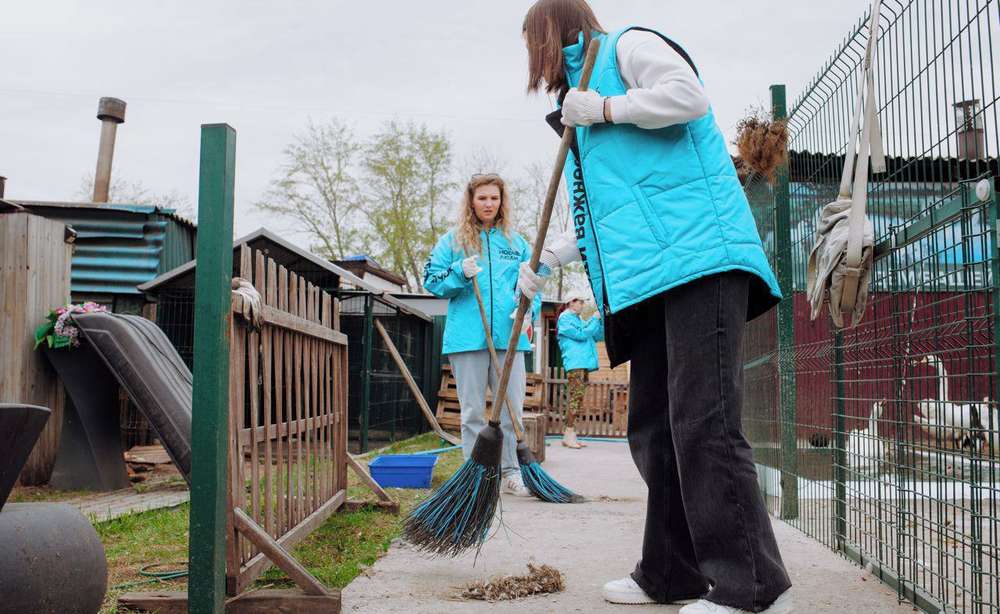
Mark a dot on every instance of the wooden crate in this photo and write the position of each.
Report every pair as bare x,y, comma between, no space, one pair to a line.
449,411
535,426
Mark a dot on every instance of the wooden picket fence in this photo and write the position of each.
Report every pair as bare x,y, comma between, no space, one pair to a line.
288,418
605,406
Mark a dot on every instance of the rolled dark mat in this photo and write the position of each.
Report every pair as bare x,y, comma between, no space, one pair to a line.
148,367
53,561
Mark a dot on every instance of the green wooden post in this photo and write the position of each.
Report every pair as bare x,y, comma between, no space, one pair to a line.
366,372
786,325
210,408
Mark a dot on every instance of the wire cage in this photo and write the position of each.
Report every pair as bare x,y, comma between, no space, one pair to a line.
381,406
881,440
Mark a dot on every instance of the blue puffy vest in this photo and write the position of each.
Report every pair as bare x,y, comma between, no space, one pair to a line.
500,260
577,341
654,209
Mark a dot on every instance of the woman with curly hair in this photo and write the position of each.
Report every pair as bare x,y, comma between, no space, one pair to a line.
483,245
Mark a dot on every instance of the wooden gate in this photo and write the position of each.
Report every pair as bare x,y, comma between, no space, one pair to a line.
288,408
605,406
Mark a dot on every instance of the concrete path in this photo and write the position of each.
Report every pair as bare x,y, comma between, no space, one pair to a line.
589,543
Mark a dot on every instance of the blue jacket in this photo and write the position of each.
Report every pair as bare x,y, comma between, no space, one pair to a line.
577,341
655,209
443,277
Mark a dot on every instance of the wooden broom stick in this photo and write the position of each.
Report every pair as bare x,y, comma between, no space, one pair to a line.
543,229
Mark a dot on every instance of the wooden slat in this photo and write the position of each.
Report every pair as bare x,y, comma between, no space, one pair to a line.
362,472
278,555
342,412
235,496
297,294
286,406
255,602
253,568
308,380
266,279
301,325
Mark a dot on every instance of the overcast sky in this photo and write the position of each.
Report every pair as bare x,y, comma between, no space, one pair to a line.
267,67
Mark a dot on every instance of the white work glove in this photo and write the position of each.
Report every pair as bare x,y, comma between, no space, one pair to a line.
582,108
528,282
470,267
526,328
561,252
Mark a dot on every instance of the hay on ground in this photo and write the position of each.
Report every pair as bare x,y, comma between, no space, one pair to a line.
539,581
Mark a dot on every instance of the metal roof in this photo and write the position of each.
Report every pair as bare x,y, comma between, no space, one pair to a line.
314,268
118,246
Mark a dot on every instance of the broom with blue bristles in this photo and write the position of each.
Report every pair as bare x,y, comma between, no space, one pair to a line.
459,514
536,479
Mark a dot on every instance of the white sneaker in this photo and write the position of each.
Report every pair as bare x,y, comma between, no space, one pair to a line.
513,485
626,591
781,605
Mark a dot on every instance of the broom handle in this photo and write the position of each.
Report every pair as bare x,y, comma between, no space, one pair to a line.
543,229
494,361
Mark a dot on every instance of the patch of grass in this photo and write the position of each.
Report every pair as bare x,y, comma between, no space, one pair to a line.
336,553
136,540
348,543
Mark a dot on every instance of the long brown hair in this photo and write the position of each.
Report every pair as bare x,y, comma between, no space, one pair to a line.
468,225
549,26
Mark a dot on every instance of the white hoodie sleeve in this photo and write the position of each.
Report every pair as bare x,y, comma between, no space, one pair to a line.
663,90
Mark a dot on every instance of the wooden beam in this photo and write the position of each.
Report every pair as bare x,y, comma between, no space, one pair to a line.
260,563
256,602
278,555
368,479
283,319
421,401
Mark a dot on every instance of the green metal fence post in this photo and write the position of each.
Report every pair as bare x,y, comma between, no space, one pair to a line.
210,407
366,372
839,445
786,325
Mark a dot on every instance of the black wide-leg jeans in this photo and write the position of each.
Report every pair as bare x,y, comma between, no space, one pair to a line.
708,533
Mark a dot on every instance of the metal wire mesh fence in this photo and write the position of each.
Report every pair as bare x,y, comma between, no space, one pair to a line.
381,406
882,441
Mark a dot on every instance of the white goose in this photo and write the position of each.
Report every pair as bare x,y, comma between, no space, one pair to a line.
957,423
865,449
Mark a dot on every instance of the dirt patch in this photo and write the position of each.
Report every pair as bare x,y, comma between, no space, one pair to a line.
540,580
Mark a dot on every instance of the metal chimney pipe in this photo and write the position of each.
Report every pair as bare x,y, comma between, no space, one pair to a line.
3,185
111,112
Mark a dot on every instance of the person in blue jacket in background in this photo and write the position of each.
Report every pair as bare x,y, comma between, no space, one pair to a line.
674,259
482,244
578,345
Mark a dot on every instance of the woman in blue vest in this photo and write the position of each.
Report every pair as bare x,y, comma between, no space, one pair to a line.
674,259
578,345
483,245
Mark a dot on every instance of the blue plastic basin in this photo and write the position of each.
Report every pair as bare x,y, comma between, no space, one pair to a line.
403,470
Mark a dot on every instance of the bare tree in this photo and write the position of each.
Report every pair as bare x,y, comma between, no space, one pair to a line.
123,191
317,188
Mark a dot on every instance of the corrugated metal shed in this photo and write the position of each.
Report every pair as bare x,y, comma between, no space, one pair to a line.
119,246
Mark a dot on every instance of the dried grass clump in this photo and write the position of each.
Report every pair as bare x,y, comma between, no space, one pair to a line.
539,581
762,143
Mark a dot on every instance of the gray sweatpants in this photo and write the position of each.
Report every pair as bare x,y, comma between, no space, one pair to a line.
472,374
